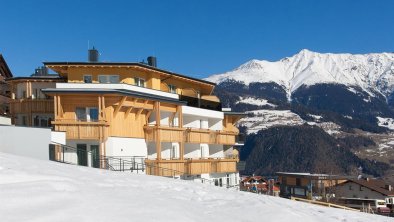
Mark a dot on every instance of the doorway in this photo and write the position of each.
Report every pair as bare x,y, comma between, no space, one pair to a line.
82,155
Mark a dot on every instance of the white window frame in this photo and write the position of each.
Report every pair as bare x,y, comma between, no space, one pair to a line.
171,88
87,114
137,82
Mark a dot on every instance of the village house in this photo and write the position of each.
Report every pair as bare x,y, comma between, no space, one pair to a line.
171,123
364,188
307,185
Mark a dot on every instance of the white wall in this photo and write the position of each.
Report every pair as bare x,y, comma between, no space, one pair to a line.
188,110
191,121
192,150
152,150
5,120
215,124
216,151
200,122
25,141
230,179
121,146
167,151
58,137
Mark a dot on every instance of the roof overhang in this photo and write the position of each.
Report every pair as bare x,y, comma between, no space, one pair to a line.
61,68
4,69
53,91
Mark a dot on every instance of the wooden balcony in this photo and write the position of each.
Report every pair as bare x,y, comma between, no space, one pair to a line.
189,135
210,136
165,167
190,166
82,130
199,166
32,106
167,134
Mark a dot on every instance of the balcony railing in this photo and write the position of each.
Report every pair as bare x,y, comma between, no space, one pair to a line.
190,166
201,103
189,135
32,105
167,134
210,136
82,129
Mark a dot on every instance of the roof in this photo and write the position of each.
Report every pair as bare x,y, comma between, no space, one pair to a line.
49,77
4,69
115,91
125,64
372,184
313,176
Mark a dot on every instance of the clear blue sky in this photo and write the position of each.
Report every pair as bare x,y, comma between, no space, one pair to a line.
196,38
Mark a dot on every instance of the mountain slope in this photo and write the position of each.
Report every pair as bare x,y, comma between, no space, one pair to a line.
370,71
296,149
343,94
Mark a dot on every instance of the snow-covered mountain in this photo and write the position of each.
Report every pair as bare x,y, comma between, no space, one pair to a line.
371,72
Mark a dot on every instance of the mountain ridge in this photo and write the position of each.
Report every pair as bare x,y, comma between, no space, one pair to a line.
373,72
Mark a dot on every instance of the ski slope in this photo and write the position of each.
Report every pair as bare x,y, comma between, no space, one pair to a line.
35,190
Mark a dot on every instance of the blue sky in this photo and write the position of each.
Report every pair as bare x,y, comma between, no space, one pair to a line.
196,38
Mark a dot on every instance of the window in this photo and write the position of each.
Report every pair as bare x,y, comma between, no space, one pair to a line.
42,121
139,82
350,187
108,78
361,188
89,114
172,88
87,78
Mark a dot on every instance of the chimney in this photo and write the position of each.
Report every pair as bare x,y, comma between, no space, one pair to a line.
152,61
388,187
93,55
367,179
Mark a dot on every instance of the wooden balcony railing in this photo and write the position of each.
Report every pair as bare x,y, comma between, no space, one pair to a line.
32,105
167,134
210,136
190,166
82,130
189,135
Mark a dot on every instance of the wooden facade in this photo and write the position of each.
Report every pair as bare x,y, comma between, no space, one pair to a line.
96,115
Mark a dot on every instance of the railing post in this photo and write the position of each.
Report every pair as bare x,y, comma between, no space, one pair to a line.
63,153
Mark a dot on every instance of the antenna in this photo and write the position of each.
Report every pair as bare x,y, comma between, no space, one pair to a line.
88,45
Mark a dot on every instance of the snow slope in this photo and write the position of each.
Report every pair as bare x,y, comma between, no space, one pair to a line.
373,71
34,190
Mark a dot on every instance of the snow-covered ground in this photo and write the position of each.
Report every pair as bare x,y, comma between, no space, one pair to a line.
36,190
386,122
254,101
264,119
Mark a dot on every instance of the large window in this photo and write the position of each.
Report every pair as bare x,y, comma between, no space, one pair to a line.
89,114
139,82
108,78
